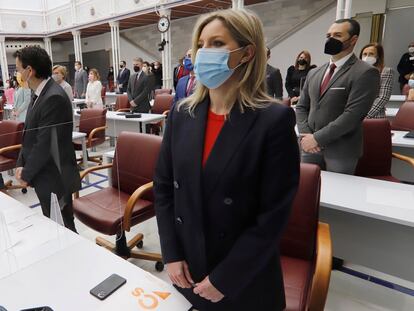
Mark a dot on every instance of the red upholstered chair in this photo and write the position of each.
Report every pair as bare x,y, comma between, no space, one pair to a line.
162,91
92,122
162,105
129,201
122,103
306,248
404,120
10,144
377,158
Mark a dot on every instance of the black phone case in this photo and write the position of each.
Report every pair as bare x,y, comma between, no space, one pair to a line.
107,286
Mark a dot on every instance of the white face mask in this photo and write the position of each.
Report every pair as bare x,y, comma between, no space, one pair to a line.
370,60
411,50
7,85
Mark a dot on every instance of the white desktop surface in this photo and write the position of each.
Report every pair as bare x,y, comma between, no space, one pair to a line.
398,139
62,276
397,98
391,112
383,200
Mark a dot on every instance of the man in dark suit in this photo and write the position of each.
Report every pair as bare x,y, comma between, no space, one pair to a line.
334,102
273,80
139,89
123,77
47,159
406,66
81,81
186,85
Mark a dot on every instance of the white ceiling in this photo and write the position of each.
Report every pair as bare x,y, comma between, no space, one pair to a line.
32,5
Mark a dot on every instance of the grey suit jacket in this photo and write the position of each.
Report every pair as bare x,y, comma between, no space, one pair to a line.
335,117
139,90
81,81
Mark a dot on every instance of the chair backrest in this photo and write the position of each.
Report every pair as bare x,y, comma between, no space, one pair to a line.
404,120
299,238
377,156
134,161
162,91
11,133
91,119
405,90
162,102
103,94
122,102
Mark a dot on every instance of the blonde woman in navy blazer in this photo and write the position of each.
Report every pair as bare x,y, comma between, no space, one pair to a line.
221,207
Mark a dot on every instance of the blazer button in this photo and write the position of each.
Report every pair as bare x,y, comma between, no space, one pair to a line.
228,201
179,220
176,185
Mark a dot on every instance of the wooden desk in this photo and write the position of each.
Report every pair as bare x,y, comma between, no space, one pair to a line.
396,101
372,222
59,269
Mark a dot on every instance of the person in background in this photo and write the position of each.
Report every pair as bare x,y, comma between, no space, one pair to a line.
9,91
334,101
179,71
157,71
47,160
138,90
123,77
93,97
59,74
373,54
81,81
296,75
22,99
151,78
110,79
410,95
406,66
273,80
186,85
227,173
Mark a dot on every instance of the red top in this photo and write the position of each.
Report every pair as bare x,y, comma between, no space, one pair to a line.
214,125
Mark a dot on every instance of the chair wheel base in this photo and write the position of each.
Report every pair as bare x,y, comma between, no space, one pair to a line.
140,244
159,266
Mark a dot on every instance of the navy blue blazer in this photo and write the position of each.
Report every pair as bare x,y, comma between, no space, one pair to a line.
123,78
226,219
180,90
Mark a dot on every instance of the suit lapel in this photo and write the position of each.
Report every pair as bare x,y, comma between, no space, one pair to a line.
340,72
233,132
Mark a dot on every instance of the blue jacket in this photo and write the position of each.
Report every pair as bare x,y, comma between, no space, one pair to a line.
180,90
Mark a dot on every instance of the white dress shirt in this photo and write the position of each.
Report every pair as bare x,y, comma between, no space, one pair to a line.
338,64
40,88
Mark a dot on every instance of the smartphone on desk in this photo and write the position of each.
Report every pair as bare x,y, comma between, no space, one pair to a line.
107,286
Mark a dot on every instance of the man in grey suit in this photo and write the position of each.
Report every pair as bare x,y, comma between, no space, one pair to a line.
138,90
81,81
273,80
334,102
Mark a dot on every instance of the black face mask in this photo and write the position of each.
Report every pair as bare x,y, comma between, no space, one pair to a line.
334,46
302,62
136,68
122,66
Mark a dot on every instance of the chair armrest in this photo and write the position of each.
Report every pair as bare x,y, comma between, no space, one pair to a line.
131,203
124,110
323,267
89,170
10,148
166,112
403,158
93,132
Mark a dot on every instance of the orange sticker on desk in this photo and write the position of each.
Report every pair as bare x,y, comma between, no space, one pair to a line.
149,301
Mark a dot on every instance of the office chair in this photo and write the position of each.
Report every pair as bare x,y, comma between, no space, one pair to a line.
122,103
162,91
162,105
404,120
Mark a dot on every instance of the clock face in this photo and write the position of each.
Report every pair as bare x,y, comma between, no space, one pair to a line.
163,24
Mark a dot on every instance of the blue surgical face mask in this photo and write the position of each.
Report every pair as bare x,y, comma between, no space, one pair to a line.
211,66
188,65
411,83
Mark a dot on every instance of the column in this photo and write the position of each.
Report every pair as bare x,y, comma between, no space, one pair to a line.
348,9
237,4
3,60
167,81
48,47
115,46
77,45
340,9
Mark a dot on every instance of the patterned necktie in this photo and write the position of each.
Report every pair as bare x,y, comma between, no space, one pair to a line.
190,85
328,77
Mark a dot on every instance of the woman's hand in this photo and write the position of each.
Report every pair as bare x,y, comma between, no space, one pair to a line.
179,274
206,290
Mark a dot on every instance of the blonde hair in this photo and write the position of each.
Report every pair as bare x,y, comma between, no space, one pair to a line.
246,29
95,73
62,70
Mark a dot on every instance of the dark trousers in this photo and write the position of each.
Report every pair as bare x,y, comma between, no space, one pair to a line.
44,195
338,165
